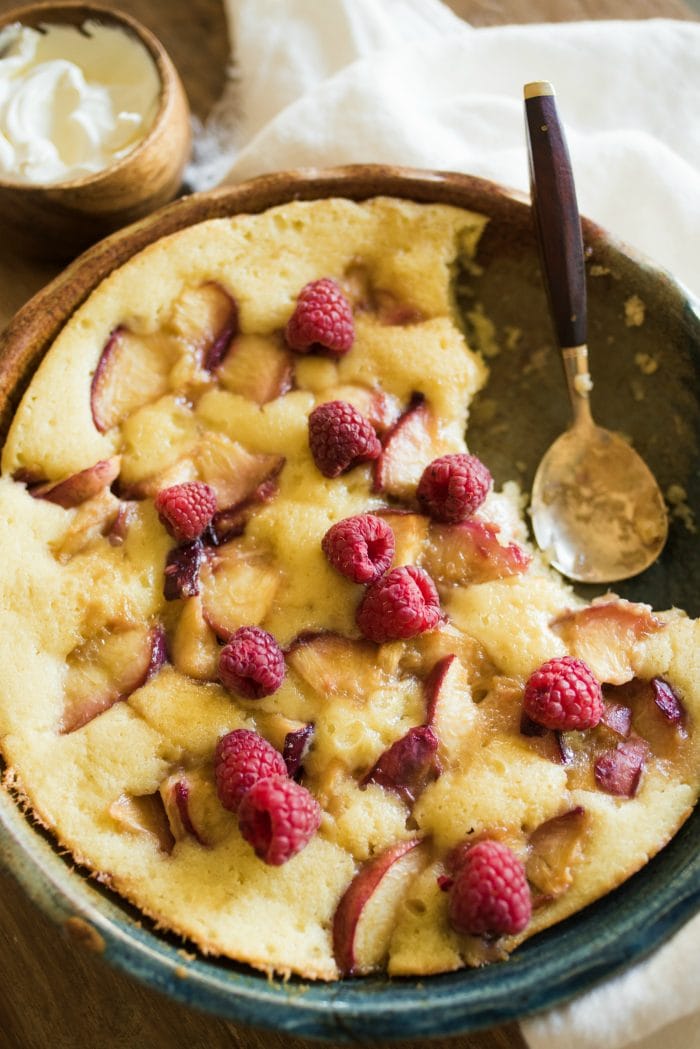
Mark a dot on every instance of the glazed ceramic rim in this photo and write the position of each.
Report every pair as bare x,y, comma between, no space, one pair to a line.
553,966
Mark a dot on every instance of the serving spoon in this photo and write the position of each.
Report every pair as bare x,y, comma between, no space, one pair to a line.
597,511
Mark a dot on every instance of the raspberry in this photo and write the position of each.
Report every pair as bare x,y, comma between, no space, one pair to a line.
340,437
242,758
453,487
361,547
490,895
186,509
564,695
251,663
401,604
322,318
278,817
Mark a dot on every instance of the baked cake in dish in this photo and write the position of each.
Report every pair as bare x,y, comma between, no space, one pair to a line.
278,664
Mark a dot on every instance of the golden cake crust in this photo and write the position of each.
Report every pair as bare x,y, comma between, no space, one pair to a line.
100,780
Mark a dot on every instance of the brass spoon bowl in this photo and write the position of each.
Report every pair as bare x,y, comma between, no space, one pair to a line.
597,511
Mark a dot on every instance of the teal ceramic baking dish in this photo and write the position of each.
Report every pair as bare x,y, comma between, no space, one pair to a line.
629,922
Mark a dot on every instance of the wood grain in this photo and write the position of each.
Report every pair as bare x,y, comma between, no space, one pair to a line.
57,994
497,12
54,992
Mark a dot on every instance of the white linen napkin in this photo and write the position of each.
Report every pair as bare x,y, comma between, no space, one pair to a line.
407,82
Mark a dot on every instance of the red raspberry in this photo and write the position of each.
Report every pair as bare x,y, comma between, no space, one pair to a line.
563,694
453,487
251,663
340,437
361,547
490,894
278,817
401,604
186,509
322,317
242,758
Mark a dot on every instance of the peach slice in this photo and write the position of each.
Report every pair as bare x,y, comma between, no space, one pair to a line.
333,665
233,472
258,368
119,529
296,747
144,814
238,586
618,719
195,650
108,668
408,447
408,765
606,635
555,745
619,771
393,311
365,917
175,792
231,522
448,640
94,518
132,371
179,472
410,533
450,711
469,552
81,486
207,319
357,286
657,714
382,409
555,847
667,702
182,566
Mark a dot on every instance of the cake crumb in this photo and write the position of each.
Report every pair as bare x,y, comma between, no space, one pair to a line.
646,363
470,266
637,389
596,270
676,494
583,384
513,336
634,312
485,409
676,497
484,332
537,361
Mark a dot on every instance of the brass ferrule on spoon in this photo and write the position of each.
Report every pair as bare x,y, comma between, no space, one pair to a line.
579,383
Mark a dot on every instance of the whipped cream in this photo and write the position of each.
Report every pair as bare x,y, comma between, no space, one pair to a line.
72,100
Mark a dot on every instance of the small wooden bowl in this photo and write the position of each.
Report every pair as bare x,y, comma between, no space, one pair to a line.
58,221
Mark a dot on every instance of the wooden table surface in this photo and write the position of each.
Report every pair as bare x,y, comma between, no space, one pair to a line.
53,992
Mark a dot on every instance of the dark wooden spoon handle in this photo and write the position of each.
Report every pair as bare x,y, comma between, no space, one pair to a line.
555,210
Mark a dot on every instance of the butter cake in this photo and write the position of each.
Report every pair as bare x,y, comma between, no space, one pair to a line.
278,663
